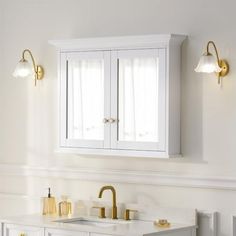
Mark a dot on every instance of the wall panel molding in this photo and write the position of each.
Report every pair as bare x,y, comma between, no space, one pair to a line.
121,176
17,196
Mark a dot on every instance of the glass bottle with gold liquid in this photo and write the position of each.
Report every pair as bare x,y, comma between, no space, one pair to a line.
49,204
65,207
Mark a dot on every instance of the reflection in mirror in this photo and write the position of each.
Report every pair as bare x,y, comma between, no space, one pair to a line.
85,99
138,99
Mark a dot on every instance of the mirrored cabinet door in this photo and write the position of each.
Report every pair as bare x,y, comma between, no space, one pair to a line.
86,99
138,101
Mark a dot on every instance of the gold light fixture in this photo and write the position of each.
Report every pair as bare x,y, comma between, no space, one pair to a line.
209,64
25,69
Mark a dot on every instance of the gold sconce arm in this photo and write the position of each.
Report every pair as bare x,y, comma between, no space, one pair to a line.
222,63
31,56
214,46
38,70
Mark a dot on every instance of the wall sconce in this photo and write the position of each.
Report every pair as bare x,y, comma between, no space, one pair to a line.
208,63
25,69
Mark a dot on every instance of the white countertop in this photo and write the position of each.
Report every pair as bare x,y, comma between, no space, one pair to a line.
127,228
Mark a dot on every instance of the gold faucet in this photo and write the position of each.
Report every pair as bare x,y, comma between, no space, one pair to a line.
114,207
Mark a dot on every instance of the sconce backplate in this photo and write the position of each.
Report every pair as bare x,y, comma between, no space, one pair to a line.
40,72
225,68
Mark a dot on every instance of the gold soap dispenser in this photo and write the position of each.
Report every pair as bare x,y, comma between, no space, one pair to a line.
65,207
49,204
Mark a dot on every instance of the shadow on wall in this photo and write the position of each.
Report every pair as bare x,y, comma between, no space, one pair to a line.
191,104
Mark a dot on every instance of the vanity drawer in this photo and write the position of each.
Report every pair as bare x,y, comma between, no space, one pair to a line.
58,232
95,234
22,230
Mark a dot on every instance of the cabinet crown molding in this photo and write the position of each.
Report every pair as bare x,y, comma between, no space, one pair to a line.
118,42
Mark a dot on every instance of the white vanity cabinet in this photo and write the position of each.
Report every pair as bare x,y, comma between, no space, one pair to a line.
62,230
59,232
53,232
22,230
120,95
95,234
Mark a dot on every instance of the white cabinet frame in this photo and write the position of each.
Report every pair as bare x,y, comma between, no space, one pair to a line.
169,48
62,232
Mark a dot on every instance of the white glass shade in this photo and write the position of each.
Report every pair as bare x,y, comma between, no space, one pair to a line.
23,69
208,64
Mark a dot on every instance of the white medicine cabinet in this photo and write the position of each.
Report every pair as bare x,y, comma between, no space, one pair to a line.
120,95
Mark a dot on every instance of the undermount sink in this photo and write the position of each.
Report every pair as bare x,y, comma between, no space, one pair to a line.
92,222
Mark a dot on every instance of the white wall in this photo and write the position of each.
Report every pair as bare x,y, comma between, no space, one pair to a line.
28,114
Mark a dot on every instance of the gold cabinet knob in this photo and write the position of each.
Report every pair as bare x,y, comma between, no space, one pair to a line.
22,234
102,211
105,120
127,214
111,120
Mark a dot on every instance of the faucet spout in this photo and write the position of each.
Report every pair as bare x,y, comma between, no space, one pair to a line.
114,207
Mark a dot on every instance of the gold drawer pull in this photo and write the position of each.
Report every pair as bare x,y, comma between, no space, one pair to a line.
22,234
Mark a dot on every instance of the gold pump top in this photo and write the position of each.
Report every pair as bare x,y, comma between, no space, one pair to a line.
49,192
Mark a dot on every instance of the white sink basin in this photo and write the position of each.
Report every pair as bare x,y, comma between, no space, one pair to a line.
92,222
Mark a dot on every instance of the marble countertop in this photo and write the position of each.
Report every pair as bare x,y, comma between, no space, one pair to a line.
113,227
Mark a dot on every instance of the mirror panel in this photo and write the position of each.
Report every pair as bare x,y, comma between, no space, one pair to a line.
85,99
138,99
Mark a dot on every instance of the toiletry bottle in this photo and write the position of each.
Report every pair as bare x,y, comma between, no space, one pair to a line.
49,204
65,207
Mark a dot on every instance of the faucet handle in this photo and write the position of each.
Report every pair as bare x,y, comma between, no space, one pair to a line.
127,214
102,213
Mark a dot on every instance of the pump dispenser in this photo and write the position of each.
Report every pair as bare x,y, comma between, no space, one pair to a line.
49,204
